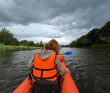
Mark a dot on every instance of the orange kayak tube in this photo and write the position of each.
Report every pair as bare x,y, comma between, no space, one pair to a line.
23,87
68,85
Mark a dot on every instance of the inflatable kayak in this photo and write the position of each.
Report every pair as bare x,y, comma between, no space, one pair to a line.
68,84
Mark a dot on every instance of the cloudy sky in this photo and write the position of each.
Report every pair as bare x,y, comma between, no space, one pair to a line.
63,20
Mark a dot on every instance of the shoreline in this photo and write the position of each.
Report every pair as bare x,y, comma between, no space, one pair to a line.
94,46
9,48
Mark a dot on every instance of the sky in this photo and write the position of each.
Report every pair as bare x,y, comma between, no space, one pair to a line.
62,20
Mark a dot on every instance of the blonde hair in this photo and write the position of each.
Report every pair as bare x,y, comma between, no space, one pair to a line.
52,45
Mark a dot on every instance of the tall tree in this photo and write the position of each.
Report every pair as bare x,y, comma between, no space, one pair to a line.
6,37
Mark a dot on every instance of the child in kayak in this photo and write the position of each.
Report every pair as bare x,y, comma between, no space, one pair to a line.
46,68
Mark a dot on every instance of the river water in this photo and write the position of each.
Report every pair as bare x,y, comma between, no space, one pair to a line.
90,69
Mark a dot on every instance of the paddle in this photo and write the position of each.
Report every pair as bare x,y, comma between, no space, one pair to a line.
68,53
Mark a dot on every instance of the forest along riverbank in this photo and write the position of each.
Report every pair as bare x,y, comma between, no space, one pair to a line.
4,48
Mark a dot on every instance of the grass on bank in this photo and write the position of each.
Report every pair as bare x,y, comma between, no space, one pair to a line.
4,48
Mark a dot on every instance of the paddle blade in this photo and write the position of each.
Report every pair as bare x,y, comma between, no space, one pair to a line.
68,53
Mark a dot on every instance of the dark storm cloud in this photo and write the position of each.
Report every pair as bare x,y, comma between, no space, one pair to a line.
68,16
27,11
86,15
4,18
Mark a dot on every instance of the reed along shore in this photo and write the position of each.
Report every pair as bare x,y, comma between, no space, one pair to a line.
4,48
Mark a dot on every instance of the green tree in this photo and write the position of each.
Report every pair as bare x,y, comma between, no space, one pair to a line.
31,43
105,33
6,37
37,44
86,42
15,42
92,35
41,43
24,42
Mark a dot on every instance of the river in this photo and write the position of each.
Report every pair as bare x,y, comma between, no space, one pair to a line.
90,69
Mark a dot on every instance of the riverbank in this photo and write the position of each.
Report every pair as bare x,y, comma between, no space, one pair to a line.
4,48
99,46
94,46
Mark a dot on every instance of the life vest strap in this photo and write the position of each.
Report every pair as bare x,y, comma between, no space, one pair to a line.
36,78
44,69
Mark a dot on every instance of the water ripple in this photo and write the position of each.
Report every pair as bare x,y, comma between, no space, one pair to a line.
90,69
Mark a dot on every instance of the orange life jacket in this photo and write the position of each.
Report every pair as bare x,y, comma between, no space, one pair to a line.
44,69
